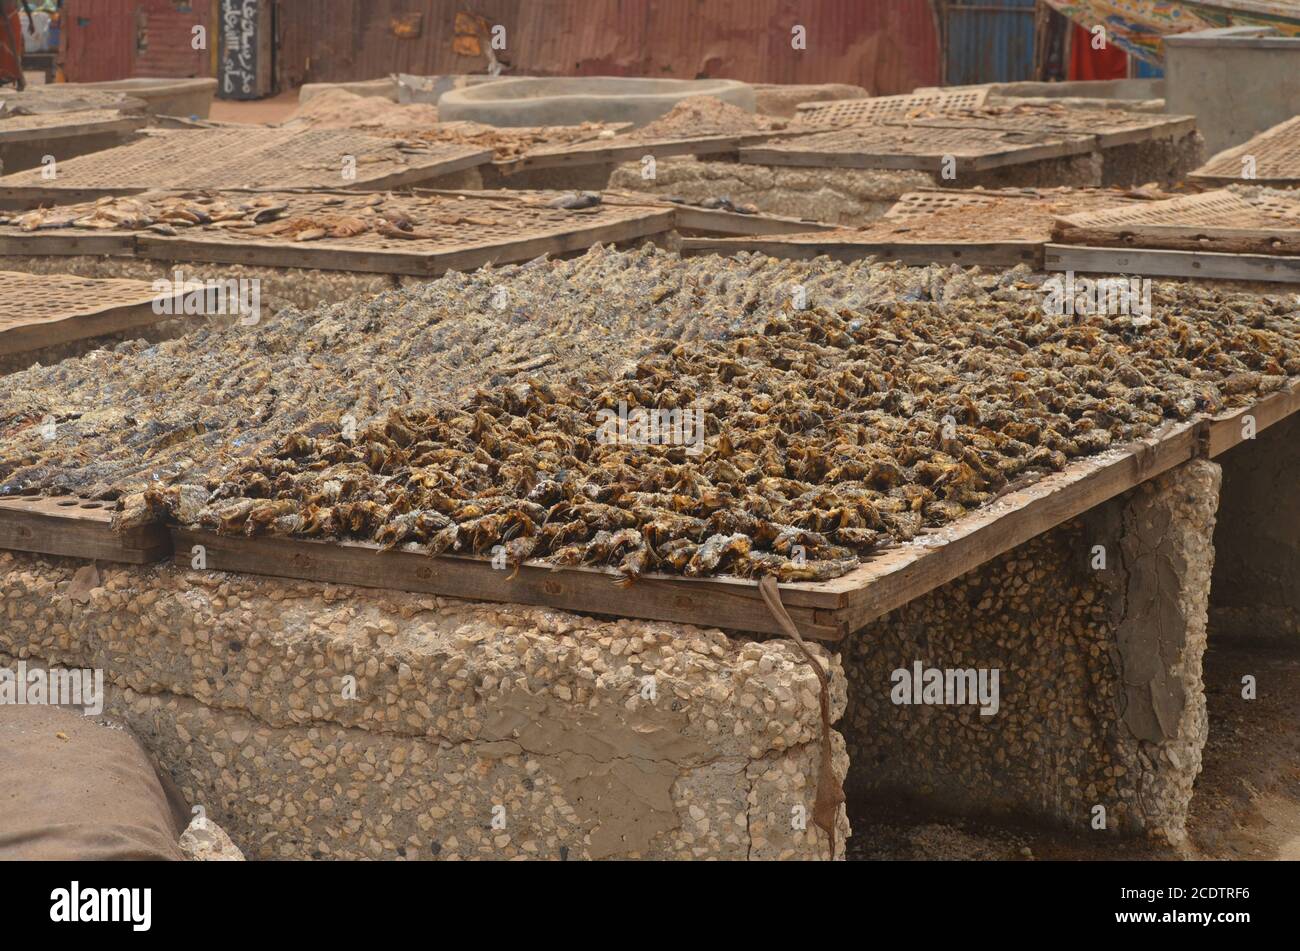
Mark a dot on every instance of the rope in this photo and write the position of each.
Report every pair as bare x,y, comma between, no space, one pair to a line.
830,793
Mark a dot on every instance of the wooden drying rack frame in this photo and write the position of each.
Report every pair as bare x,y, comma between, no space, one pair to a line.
659,217
827,611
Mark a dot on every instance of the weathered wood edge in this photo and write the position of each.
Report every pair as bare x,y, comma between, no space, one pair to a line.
1214,265
984,253
704,603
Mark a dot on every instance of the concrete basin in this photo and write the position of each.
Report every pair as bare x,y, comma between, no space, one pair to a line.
162,97
569,101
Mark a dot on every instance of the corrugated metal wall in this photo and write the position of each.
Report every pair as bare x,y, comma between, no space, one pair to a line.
988,41
887,46
164,34
116,39
97,40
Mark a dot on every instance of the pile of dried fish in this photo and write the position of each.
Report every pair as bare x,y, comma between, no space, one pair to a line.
897,399
292,216
512,143
707,115
138,414
160,214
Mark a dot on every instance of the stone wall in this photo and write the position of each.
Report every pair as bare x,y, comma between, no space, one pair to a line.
1256,593
1101,701
1165,161
466,730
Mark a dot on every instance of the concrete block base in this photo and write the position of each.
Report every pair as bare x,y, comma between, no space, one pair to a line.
1099,668
317,721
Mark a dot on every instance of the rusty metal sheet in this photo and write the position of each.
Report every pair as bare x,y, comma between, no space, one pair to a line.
885,47
115,39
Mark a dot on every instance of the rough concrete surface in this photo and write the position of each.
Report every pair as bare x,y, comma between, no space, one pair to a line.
1165,161
205,841
491,731
1101,695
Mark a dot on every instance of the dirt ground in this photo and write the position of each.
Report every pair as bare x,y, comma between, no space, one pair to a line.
1246,804
257,111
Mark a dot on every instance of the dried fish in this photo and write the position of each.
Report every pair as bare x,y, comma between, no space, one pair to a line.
794,440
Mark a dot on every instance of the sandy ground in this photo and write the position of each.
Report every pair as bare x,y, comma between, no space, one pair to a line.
1246,805
275,109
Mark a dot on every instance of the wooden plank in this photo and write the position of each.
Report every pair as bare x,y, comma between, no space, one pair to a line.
704,602
902,574
1184,238
1128,128
1220,221
27,197
325,256
72,126
316,254
617,154
1228,429
38,311
71,130
49,333
68,241
985,254
718,221
564,243
419,175
74,528
248,156
1158,263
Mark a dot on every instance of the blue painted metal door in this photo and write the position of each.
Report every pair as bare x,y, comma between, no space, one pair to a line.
989,41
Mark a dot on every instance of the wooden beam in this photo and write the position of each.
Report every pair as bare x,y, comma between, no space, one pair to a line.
987,254
718,221
1147,237
73,130
25,338
67,241
618,154
74,528
1155,263
704,602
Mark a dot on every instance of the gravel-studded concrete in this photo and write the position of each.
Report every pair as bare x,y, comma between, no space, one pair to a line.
580,738
1101,700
